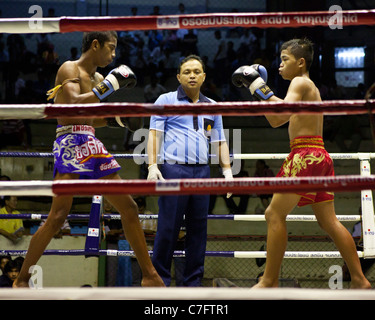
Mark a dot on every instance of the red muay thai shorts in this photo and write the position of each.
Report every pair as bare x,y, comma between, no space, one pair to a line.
308,157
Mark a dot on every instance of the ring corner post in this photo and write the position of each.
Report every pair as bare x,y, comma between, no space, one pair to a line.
93,230
368,224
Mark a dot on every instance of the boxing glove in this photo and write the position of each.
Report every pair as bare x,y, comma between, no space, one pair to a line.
154,173
228,175
253,77
131,123
119,77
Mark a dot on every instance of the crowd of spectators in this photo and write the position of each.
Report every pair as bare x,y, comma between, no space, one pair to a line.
152,54
27,72
149,53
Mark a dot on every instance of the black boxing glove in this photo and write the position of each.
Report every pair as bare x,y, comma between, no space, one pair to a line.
119,77
132,123
253,77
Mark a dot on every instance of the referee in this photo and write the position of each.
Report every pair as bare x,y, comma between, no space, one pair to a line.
182,143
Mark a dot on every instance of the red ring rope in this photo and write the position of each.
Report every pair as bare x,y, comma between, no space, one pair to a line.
51,111
345,183
216,186
224,108
203,21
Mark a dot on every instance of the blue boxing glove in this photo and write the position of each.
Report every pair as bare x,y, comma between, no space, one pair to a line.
253,77
118,78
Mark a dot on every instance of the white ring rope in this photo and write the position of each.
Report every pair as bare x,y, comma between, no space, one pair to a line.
179,253
236,156
282,156
235,217
296,218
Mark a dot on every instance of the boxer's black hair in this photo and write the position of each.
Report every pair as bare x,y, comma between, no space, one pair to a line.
300,48
102,37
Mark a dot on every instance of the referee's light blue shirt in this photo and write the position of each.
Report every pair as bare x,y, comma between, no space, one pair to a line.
182,143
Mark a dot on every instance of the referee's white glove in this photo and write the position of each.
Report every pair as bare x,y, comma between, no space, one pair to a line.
227,173
154,173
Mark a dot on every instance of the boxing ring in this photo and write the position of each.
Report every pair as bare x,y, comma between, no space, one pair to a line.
364,183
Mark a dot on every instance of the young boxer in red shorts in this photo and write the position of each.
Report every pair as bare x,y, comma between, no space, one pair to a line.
307,158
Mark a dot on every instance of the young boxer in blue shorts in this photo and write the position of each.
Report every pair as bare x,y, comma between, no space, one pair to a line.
79,154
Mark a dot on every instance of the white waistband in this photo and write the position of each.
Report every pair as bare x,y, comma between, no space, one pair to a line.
75,128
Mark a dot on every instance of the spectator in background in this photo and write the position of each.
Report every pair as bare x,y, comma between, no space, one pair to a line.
209,89
141,62
4,55
11,271
50,61
170,42
19,84
181,9
134,11
336,92
43,43
12,229
189,43
220,59
155,11
19,261
346,132
231,56
248,44
27,95
153,90
51,12
126,47
17,62
3,261
39,88
323,89
180,34
155,38
234,32
16,49
13,133
65,229
73,54
263,59
361,91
